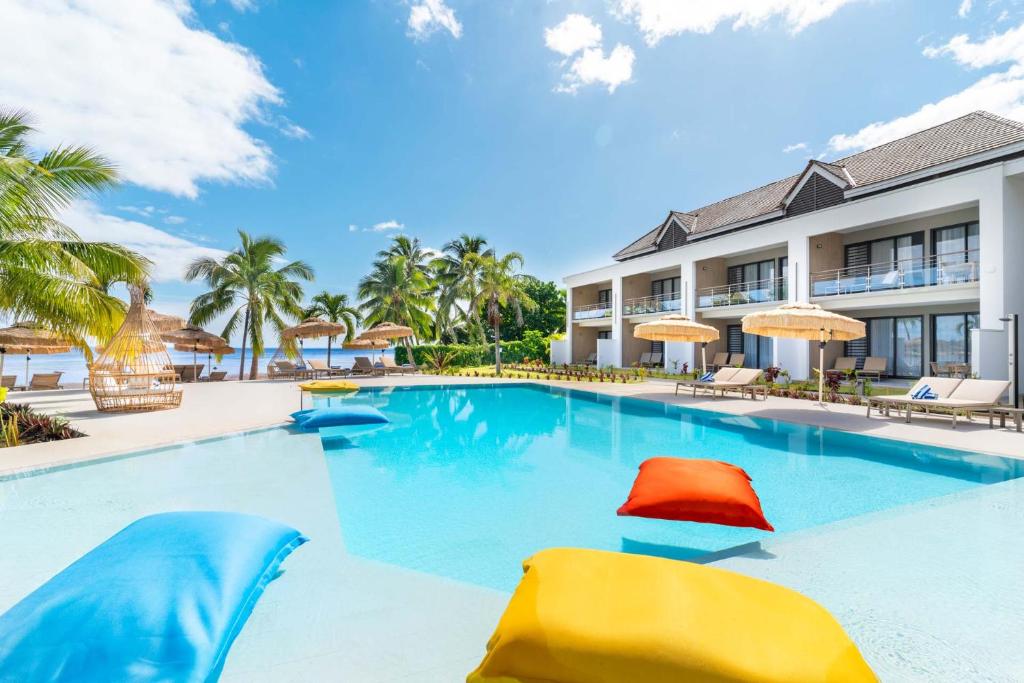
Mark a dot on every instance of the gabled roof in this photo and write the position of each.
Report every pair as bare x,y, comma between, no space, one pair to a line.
834,173
960,138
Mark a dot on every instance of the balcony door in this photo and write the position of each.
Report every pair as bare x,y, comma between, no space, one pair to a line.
955,244
900,340
756,350
951,337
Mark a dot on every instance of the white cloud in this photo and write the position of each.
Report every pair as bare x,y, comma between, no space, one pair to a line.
142,82
658,19
592,67
352,227
964,9
243,5
797,147
170,254
1001,93
387,225
175,220
575,33
429,16
578,39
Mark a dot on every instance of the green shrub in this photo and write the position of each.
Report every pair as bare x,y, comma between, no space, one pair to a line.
462,355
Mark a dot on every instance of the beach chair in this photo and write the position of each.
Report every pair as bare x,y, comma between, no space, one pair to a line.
742,381
189,373
45,380
591,359
7,381
645,360
845,364
942,387
657,360
939,370
321,369
215,376
721,377
737,359
281,369
875,367
970,396
720,360
363,366
388,364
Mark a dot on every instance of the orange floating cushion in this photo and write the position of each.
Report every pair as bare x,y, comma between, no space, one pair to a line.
694,491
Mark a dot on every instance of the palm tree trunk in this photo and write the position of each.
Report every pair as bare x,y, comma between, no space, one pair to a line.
245,336
408,352
497,348
254,368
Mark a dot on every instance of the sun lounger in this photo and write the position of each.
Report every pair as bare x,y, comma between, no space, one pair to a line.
719,361
874,367
591,359
645,360
216,376
188,373
971,395
44,381
657,360
387,363
363,366
845,364
7,381
737,359
281,369
727,379
321,369
941,386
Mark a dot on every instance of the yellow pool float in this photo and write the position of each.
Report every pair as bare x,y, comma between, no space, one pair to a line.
329,385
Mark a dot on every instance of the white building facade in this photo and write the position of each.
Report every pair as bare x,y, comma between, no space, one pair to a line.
922,238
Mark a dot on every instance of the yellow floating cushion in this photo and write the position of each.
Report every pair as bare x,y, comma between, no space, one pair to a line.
591,616
325,385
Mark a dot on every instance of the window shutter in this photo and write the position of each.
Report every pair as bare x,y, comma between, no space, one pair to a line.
858,254
734,338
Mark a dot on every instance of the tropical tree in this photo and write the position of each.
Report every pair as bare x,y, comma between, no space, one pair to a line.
547,317
248,283
337,309
417,258
456,275
500,284
46,271
395,292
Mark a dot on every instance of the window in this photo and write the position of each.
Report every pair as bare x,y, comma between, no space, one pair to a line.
955,244
669,285
783,293
908,250
657,347
756,350
751,272
899,340
951,337
604,296
604,334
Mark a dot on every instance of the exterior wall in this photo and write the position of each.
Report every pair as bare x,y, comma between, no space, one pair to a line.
752,257
993,194
584,342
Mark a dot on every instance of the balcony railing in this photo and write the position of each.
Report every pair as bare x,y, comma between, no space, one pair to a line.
658,303
592,311
927,271
756,292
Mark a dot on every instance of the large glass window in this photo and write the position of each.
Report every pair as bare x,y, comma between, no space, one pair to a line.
955,244
898,340
604,296
756,350
668,285
951,337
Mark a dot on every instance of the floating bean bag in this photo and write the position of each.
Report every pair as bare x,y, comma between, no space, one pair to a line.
603,617
694,491
161,600
329,385
338,416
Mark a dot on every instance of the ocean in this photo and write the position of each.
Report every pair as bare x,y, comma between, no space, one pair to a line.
74,368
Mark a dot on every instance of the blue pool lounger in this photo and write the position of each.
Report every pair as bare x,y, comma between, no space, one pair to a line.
161,600
338,416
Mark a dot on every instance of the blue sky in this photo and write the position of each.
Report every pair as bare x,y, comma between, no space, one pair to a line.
561,129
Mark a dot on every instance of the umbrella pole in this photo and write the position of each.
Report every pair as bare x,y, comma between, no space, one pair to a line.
821,368
703,358
28,357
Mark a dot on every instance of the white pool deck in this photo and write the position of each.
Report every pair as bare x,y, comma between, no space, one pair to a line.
930,591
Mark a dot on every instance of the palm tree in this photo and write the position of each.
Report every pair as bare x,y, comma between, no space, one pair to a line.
456,276
335,308
499,284
46,271
395,292
247,281
411,250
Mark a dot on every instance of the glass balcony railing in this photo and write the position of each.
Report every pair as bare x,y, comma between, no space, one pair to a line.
592,311
929,271
757,292
659,303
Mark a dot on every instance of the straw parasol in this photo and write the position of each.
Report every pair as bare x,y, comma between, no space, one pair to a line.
195,339
388,330
29,338
805,321
164,322
678,328
313,327
363,344
210,351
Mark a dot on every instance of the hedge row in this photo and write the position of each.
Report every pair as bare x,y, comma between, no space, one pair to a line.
472,355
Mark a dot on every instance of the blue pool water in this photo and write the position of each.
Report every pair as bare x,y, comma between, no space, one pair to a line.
466,482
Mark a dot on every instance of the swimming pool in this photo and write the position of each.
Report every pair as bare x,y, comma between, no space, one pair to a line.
466,482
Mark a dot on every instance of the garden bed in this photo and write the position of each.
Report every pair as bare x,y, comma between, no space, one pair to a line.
20,425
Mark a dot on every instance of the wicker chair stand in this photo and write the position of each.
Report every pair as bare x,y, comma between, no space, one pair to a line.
134,372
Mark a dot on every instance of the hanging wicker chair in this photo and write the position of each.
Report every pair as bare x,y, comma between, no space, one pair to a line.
134,371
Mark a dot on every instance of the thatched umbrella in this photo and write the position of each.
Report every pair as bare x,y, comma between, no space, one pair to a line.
805,321
388,330
29,338
312,328
210,351
678,328
363,344
194,338
164,322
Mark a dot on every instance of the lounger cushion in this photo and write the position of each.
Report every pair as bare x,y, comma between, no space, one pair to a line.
162,600
695,491
337,416
603,617
328,385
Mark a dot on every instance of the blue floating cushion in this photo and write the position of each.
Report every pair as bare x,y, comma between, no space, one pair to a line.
300,415
336,416
162,600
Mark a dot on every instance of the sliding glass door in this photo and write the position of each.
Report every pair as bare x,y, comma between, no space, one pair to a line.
951,337
900,340
756,350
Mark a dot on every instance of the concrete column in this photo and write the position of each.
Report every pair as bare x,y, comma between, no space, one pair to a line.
999,214
681,352
792,354
617,325
568,323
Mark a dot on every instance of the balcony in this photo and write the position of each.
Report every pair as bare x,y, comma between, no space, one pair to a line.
958,268
652,305
743,293
592,312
